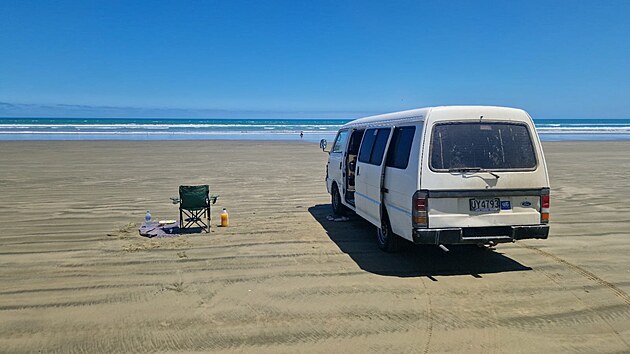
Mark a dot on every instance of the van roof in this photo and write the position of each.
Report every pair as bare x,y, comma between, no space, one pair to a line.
420,114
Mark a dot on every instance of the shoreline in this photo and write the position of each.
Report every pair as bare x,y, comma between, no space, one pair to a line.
309,136
286,129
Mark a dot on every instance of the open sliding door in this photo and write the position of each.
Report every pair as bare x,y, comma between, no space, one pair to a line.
369,174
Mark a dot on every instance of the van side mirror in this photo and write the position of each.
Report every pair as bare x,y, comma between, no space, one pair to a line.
322,144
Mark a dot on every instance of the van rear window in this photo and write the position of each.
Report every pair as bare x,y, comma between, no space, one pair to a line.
484,145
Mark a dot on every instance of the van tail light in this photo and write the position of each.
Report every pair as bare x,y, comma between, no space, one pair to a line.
419,207
544,206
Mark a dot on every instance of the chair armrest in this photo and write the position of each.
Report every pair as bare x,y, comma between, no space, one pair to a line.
213,198
175,200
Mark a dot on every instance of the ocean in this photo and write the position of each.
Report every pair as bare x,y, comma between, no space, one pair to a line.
256,129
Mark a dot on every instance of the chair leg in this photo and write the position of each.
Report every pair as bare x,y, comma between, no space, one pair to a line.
209,218
195,218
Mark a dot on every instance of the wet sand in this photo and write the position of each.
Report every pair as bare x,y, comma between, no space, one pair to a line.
76,277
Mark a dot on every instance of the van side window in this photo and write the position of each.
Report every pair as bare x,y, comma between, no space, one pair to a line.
367,145
373,146
379,146
400,147
340,142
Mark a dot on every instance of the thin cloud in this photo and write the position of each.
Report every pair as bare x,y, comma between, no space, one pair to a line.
21,110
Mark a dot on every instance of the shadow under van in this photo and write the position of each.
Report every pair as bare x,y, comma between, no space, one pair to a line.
356,239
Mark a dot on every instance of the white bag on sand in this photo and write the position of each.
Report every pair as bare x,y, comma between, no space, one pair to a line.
341,218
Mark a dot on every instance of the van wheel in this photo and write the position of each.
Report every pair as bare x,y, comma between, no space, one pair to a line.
387,240
337,207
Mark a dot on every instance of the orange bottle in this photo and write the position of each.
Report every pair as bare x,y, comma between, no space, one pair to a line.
225,218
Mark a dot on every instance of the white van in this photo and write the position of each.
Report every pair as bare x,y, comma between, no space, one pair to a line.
442,175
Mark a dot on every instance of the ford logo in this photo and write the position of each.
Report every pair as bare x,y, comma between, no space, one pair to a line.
526,203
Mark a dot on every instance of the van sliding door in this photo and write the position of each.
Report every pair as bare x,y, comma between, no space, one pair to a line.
369,172
401,178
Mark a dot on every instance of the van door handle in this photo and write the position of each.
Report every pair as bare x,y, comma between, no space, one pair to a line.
340,165
384,190
357,170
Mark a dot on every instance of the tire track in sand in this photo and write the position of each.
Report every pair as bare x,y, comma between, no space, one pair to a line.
590,276
582,272
427,344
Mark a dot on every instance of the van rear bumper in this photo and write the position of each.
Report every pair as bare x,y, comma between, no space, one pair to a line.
475,235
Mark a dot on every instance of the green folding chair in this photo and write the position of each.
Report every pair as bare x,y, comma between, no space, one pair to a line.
194,206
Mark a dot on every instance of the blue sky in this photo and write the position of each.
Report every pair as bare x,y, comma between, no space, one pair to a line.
556,59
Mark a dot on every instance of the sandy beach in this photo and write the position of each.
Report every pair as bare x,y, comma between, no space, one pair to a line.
77,278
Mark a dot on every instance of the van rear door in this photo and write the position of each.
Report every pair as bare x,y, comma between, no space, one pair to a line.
479,174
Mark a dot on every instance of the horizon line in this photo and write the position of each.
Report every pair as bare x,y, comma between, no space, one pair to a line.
82,111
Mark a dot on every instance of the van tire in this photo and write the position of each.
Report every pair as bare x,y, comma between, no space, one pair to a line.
335,201
386,239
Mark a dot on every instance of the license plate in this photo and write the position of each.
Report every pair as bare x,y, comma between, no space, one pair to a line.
490,204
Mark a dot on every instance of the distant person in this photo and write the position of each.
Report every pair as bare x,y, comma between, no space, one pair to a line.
301,134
